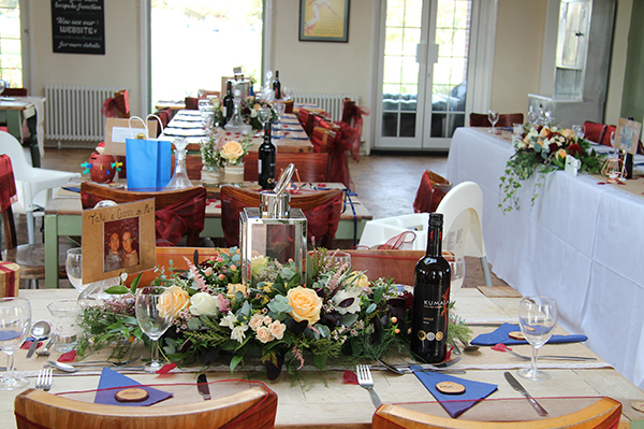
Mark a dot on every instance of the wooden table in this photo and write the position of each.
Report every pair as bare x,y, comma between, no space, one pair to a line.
579,244
321,399
13,111
63,219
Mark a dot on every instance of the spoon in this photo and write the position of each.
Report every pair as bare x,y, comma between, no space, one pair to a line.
65,367
40,330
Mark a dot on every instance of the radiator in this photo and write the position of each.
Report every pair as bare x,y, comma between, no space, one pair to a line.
73,114
330,103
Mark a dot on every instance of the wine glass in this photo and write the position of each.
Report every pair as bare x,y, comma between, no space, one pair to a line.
287,92
279,109
154,308
15,321
579,130
263,115
533,117
74,267
493,117
537,318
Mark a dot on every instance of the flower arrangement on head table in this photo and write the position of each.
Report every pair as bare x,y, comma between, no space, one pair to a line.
543,149
250,108
275,318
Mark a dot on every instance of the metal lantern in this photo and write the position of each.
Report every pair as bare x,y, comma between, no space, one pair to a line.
273,231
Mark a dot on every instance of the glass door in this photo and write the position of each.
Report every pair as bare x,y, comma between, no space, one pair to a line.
423,71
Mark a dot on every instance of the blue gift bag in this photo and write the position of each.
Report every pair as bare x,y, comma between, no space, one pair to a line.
148,163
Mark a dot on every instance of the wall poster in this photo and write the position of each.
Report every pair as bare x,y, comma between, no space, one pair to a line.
78,26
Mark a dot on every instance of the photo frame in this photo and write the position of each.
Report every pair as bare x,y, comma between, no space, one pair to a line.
324,21
627,135
118,239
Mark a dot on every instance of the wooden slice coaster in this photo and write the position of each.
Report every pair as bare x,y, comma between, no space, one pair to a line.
517,335
131,395
638,405
450,388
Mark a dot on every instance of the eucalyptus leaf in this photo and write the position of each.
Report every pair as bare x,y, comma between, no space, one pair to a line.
349,319
194,324
372,307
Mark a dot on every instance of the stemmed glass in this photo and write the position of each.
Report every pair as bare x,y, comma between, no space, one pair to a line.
74,267
287,92
533,117
493,117
263,115
154,308
279,108
579,130
537,318
15,321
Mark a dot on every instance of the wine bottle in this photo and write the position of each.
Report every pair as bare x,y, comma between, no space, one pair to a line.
430,312
277,86
228,104
266,160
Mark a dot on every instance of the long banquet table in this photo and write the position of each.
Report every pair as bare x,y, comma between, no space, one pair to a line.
63,219
322,399
579,243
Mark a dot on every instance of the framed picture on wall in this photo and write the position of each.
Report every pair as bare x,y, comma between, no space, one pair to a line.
324,20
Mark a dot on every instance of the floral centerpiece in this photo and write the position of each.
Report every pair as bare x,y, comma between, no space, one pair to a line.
211,151
275,319
541,150
249,109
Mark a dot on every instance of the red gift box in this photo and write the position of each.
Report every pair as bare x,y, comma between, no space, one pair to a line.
9,279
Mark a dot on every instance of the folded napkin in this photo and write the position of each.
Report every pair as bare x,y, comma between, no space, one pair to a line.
500,335
455,405
111,378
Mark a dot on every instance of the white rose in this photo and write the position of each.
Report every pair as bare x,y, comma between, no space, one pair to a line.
264,335
253,113
204,304
238,333
344,295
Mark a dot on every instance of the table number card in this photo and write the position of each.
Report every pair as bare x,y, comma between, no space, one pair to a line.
118,239
627,135
572,165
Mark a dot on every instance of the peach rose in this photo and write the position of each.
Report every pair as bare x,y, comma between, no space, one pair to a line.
358,278
181,301
232,150
277,329
264,335
256,321
306,304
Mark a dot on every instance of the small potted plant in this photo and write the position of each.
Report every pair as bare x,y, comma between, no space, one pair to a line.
232,154
211,159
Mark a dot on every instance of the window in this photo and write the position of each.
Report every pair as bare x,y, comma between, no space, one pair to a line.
196,42
10,47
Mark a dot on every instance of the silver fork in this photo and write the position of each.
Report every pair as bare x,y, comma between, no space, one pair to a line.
45,379
45,352
366,381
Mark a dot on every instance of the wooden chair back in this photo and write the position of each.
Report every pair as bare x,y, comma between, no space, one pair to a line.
14,92
323,139
91,193
505,120
396,264
311,167
321,208
253,408
604,413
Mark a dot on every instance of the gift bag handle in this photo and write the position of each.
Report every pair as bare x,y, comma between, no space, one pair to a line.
140,136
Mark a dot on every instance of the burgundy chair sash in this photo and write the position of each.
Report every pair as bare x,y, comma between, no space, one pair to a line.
8,194
594,131
431,191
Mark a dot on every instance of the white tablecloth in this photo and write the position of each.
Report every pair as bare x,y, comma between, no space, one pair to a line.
579,243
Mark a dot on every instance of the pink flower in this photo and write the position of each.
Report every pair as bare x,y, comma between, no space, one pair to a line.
264,335
277,329
256,321
221,277
223,303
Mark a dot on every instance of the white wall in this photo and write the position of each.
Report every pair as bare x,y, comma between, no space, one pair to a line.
618,61
121,66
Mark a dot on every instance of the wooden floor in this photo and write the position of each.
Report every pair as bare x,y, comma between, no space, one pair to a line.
386,184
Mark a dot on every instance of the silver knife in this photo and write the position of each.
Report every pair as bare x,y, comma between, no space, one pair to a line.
203,387
519,388
33,347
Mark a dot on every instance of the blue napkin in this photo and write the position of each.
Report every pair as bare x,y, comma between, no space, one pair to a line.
500,335
111,378
455,405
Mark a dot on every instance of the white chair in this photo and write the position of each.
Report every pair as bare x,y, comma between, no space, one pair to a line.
378,231
462,208
33,185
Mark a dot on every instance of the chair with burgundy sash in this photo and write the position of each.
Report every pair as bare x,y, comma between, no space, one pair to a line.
505,120
30,257
594,131
254,407
610,129
177,212
321,208
323,139
310,167
431,191
117,106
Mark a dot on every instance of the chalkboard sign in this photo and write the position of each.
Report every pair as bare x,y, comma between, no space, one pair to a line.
78,26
